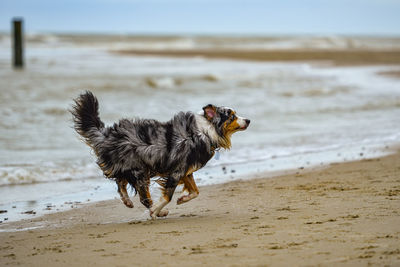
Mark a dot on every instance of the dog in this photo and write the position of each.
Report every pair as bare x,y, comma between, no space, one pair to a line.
134,151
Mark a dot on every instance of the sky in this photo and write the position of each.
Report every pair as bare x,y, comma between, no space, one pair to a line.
278,17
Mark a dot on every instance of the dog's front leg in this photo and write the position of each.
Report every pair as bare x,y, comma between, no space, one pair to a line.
168,189
188,185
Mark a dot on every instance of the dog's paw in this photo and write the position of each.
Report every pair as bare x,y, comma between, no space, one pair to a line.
182,200
163,213
186,198
153,215
127,202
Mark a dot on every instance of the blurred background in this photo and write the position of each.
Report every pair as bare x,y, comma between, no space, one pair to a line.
319,80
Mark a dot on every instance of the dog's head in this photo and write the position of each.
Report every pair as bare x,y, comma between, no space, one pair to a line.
225,121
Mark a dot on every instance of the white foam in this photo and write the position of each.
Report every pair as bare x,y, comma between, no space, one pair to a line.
19,175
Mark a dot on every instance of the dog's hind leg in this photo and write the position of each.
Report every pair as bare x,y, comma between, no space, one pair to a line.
123,193
168,188
142,187
190,186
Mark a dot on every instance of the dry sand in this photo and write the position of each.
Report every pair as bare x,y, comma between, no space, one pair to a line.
337,57
346,214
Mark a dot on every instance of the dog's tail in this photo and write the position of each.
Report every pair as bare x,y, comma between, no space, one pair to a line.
85,115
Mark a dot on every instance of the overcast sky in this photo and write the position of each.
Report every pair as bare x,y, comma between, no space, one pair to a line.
366,17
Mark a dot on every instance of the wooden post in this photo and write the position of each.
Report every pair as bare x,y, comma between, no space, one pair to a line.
18,46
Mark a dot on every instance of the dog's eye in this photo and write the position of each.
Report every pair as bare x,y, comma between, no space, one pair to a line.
232,117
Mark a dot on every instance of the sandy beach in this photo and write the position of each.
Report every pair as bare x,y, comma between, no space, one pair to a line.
344,57
346,214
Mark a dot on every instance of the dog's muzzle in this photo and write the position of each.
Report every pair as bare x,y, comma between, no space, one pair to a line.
243,123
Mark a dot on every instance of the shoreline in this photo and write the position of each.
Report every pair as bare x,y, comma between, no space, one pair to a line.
347,213
345,57
29,202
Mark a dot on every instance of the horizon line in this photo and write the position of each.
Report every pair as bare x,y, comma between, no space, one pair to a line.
210,34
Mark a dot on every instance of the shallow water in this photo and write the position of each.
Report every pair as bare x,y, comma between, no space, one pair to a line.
302,115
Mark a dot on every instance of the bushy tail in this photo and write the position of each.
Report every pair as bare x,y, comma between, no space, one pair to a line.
85,114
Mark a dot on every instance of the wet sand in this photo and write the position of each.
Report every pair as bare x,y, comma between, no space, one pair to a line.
337,57
392,74
347,214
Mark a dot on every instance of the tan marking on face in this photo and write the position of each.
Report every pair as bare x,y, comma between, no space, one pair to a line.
232,127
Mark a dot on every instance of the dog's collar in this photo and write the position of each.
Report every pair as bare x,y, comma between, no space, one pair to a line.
215,148
215,151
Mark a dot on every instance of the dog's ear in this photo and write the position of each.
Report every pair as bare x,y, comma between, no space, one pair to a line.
210,111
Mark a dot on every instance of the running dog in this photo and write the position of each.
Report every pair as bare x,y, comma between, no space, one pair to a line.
133,151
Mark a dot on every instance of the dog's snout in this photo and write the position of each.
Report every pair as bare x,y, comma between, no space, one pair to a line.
247,121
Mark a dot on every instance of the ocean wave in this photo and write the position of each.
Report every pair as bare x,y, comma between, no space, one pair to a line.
117,42
317,92
210,78
370,106
55,111
29,174
161,82
42,38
